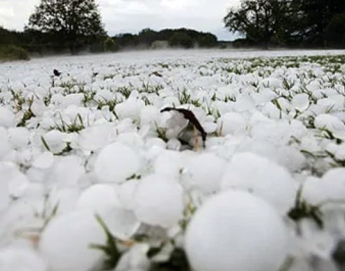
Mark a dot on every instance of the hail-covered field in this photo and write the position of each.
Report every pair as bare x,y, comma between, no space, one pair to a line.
96,175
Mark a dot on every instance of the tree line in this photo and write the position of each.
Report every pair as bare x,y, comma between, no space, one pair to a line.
76,25
293,23
36,41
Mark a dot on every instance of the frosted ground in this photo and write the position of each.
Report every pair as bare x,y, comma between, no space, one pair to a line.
94,177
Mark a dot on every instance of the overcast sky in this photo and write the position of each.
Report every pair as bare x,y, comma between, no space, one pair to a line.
121,16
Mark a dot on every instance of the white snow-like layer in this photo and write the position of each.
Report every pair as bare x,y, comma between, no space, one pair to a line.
237,231
98,143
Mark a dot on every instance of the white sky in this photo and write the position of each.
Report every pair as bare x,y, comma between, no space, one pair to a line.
121,16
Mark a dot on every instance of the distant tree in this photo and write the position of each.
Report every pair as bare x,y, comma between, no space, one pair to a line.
126,40
319,19
146,37
7,37
110,45
335,31
181,39
207,40
74,23
262,21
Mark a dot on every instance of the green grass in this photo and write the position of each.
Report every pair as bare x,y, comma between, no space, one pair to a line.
12,52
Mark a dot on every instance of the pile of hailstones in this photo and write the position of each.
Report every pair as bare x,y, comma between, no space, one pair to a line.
225,215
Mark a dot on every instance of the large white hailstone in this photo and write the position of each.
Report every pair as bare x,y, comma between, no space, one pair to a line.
73,99
169,163
126,194
235,230
298,130
121,223
158,201
6,117
300,101
313,85
261,176
116,162
286,156
232,123
290,158
328,188
205,171
149,115
5,146
19,137
98,197
65,242
155,142
13,183
311,144
135,259
131,139
64,198
244,102
272,111
174,144
329,122
44,160
273,132
337,150
38,107
67,171
335,104
21,259
96,137
131,108
55,141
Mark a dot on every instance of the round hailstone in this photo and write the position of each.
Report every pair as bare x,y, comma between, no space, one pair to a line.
13,183
273,132
19,137
96,137
244,103
329,122
262,177
5,146
130,108
126,194
205,172
149,115
67,171
121,223
232,228
329,188
232,123
44,161
6,117
116,162
98,197
158,201
20,259
65,242
300,101
169,163
64,198
55,141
